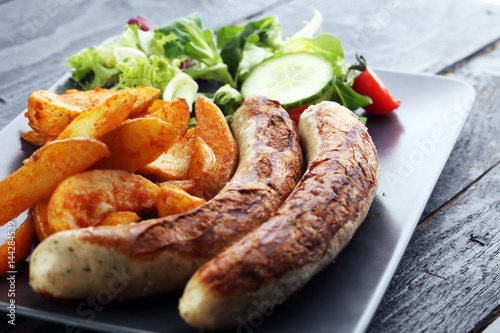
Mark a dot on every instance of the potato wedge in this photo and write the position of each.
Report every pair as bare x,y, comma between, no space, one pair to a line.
43,228
173,200
145,98
137,143
44,170
34,137
88,99
102,119
120,218
157,105
49,114
212,127
186,185
172,164
22,240
92,98
204,168
190,132
85,199
175,113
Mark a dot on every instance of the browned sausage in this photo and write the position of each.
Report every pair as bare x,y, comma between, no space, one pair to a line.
306,233
161,254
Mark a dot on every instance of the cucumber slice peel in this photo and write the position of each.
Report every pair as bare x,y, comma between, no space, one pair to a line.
293,79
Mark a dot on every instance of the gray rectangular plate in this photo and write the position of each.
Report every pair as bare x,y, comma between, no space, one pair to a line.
413,144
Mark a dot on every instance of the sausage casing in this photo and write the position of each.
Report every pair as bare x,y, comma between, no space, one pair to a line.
161,254
305,235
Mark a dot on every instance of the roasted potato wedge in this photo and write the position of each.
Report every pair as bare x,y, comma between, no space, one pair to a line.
22,240
34,137
44,170
204,168
92,98
49,114
145,98
102,119
87,198
88,99
43,228
190,132
120,218
157,105
173,200
171,165
137,143
212,127
186,185
175,113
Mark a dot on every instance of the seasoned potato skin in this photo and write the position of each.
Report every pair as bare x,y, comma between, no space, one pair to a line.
85,199
163,253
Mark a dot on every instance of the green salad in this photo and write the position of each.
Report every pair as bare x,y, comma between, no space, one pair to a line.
180,58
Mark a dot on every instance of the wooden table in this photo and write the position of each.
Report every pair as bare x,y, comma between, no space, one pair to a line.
448,279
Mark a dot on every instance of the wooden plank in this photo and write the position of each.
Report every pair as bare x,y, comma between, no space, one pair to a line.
444,246
418,36
448,279
478,147
40,35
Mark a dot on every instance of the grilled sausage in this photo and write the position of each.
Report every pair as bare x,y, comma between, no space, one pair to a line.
161,254
305,235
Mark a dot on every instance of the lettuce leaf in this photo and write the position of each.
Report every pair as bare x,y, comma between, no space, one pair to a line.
90,71
181,85
198,45
265,33
153,71
228,99
252,55
150,42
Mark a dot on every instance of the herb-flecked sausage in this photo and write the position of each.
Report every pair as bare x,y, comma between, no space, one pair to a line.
305,235
161,254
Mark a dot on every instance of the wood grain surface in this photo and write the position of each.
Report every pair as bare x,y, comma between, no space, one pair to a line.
447,280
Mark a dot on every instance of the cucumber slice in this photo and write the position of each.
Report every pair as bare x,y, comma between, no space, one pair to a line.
293,79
